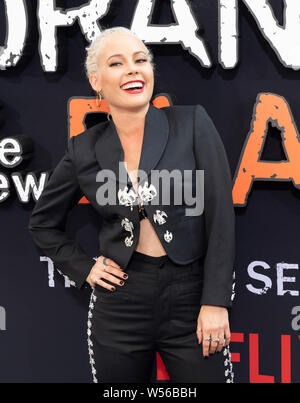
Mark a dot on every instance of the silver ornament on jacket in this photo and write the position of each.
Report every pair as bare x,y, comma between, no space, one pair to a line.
127,197
158,217
146,192
128,226
168,236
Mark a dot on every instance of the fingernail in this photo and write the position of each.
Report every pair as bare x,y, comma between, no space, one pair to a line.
113,288
121,282
125,276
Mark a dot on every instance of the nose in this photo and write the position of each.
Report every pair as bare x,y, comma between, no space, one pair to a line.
132,72
132,68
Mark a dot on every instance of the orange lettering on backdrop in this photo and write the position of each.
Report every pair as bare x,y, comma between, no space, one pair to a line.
79,107
273,108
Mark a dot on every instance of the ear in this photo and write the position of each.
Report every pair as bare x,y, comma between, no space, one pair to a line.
95,82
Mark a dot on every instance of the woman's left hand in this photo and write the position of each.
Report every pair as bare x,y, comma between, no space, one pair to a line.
213,322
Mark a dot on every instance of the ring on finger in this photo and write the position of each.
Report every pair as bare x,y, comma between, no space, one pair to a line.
104,261
216,340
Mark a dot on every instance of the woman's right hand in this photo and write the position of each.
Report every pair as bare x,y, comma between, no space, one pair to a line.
108,271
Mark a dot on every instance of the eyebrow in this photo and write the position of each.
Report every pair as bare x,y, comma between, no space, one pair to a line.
139,51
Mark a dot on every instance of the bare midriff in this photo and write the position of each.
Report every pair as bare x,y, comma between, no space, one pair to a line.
148,242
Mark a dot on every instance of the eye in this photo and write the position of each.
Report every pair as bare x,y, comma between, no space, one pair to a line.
138,61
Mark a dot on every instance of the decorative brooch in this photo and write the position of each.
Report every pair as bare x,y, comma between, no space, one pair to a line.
168,236
128,226
158,217
127,197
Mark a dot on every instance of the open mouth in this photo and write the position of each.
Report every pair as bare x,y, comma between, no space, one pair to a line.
134,88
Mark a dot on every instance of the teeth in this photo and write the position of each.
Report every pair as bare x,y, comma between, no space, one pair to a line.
131,85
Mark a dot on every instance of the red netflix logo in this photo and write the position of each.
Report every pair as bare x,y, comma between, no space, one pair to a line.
255,357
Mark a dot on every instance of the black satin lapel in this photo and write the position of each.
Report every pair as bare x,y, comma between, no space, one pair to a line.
155,139
110,153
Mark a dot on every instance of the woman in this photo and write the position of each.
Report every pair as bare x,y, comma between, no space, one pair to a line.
163,281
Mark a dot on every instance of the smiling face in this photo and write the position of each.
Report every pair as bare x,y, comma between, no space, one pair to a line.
123,58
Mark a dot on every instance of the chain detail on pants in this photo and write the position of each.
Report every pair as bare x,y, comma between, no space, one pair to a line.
227,363
93,300
156,310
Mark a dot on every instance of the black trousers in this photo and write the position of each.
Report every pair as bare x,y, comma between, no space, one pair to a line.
156,310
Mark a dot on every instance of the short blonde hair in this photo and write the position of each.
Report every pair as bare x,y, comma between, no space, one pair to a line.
94,49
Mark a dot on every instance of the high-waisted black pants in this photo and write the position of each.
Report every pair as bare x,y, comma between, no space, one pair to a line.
155,310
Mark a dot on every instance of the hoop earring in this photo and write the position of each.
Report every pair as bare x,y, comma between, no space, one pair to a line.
98,99
108,116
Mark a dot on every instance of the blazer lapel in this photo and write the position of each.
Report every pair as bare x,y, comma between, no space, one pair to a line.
110,153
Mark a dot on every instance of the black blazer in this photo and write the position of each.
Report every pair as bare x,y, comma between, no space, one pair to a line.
175,138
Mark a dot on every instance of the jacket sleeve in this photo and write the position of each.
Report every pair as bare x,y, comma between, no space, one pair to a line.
48,220
218,212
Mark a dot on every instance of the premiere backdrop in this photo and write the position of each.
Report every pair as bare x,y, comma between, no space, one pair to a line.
240,59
